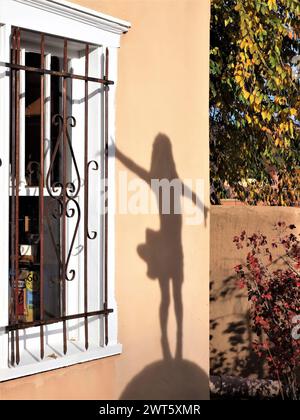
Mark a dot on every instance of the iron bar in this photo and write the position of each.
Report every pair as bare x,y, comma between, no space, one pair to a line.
13,304
63,74
23,326
86,192
106,199
41,194
17,185
64,196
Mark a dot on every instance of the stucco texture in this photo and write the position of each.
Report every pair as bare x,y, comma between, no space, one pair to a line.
162,91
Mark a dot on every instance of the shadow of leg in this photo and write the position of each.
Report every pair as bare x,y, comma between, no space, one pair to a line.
178,306
164,284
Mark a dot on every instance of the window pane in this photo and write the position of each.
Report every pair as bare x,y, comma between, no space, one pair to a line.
29,262
32,120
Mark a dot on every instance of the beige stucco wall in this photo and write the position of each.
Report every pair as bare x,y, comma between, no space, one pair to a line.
163,88
231,334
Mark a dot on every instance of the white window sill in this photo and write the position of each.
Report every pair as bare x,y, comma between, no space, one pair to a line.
30,364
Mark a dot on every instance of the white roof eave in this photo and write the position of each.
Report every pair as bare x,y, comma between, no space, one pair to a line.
81,14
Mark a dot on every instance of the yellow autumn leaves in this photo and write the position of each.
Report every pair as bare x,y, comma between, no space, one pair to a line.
272,4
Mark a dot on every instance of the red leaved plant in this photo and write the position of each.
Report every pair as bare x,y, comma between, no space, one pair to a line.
271,274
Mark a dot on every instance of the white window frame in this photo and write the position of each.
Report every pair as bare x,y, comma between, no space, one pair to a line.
66,20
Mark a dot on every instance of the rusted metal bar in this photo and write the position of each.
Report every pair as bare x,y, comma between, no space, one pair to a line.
17,185
41,195
64,198
55,73
86,193
13,304
51,321
106,199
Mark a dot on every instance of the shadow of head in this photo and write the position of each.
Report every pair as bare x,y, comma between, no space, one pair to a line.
168,380
162,160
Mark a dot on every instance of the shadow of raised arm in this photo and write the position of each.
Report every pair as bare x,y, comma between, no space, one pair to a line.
158,174
187,192
132,166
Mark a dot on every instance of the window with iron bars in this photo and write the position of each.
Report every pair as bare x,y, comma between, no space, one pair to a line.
59,296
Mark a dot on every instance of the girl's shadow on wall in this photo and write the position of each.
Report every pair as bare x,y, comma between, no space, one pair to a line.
163,254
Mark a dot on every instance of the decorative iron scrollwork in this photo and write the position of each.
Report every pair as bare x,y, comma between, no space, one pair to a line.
64,193
71,212
92,235
57,188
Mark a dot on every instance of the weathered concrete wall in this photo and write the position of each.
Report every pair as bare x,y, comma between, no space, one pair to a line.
230,331
163,88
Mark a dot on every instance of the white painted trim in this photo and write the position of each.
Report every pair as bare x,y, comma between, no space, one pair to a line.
5,32
111,183
52,364
81,14
63,19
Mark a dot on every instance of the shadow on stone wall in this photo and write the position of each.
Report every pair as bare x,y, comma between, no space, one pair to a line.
231,335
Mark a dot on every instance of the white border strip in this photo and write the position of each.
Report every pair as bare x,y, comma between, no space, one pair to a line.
80,13
61,362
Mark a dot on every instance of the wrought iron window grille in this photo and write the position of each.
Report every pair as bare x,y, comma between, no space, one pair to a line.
62,204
